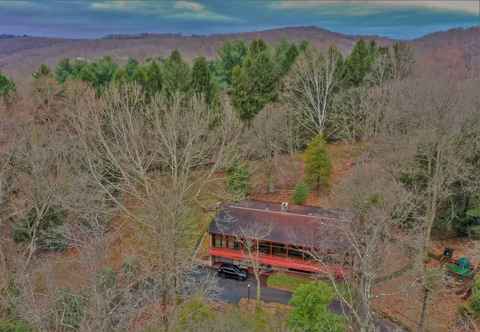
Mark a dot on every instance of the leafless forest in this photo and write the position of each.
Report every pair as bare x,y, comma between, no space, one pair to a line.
106,188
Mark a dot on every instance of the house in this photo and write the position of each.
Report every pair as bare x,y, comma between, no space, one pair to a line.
293,238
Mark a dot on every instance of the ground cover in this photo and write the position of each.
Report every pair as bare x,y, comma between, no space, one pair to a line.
287,281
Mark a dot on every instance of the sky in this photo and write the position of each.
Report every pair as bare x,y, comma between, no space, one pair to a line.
401,19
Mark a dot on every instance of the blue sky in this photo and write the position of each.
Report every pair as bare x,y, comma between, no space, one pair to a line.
404,19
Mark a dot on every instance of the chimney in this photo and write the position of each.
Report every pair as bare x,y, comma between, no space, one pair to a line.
284,206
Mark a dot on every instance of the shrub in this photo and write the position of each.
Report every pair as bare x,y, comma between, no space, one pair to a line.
194,314
7,89
50,230
70,308
310,309
475,299
130,267
14,326
238,179
10,295
301,193
106,279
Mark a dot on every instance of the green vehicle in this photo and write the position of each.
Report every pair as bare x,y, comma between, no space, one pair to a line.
462,268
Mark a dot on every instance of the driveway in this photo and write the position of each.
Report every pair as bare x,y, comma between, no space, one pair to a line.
232,291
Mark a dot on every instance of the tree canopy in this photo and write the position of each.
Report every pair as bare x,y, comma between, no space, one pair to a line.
7,88
310,309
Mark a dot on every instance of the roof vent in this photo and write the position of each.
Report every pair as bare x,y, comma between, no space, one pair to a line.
284,206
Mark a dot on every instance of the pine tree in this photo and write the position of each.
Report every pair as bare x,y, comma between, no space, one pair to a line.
285,56
253,85
359,62
7,89
154,79
176,75
317,163
63,70
300,194
202,82
232,54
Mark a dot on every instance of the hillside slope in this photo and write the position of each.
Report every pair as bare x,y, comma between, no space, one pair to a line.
453,51
22,55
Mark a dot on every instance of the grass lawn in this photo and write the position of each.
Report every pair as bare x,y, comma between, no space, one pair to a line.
287,281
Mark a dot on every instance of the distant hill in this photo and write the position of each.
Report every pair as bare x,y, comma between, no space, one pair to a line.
453,50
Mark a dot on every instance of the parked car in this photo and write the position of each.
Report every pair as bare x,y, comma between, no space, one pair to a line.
227,270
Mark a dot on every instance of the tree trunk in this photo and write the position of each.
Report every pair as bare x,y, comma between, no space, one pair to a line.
4,277
422,326
258,291
270,184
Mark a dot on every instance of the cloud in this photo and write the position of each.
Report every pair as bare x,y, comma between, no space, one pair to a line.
18,4
189,5
182,9
466,6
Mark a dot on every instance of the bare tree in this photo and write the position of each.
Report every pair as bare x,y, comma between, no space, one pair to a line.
310,85
266,140
430,139
153,161
5,214
250,240
38,168
373,197
115,156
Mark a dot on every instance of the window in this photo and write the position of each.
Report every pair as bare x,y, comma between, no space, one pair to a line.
217,241
279,249
264,247
308,257
230,242
237,245
295,252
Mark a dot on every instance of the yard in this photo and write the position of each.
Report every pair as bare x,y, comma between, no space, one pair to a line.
287,281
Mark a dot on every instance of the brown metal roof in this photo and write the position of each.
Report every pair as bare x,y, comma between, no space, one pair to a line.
304,226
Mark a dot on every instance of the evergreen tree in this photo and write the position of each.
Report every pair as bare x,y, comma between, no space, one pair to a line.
176,75
154,81
43,71
285,56
86,74
317,163
238,180
303,45
257,46
140,76
202,84
253,84
301,193
104,71
7,89
121,76
230,55
359,62
63,70
131,68
76,67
